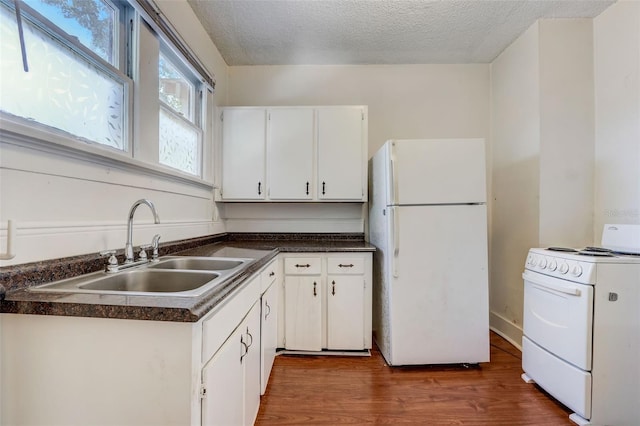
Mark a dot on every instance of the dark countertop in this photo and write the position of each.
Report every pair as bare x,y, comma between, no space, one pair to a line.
167,308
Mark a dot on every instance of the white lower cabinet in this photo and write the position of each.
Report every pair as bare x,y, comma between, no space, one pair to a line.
251,362
346,303
327,301
345,312
269,333
303,313
223,381
231,379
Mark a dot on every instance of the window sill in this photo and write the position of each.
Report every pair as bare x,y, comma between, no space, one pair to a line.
14,131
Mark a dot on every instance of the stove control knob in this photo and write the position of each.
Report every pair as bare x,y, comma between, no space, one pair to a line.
576,271
553,265
564,268
542,263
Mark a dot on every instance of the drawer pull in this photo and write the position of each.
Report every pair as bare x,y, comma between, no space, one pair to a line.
346,266
333,288
315,293
272,274
306,265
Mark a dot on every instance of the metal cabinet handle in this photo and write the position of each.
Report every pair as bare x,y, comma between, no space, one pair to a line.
259,188
315,293
333,288
246,349
266,302
272,274
251,337
307,188
323,184
346,266
306,265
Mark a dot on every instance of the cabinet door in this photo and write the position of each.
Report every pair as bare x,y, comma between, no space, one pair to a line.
251,327
243,153
303,314
341,154
269,333
345,312
290,154
223,379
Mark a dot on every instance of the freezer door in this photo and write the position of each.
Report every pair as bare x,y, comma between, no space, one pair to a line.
439,307
437,171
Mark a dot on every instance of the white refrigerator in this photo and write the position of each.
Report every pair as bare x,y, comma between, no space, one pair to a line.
428,219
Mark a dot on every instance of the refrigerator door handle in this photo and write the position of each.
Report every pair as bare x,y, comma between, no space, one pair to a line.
394,176
396,241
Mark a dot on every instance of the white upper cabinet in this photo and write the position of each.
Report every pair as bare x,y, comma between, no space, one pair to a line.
290,154
243,153
305,153
342,153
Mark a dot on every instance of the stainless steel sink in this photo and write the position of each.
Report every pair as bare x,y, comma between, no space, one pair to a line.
172,276
199,263
149,281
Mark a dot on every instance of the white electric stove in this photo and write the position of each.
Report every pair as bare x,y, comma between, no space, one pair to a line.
582,327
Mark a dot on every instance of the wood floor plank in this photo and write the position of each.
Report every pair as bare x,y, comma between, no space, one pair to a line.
328,390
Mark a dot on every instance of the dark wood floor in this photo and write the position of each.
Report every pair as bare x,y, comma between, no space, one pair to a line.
353,390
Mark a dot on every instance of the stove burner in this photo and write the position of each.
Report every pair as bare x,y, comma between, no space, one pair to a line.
623,253
565,249
597,253
597,249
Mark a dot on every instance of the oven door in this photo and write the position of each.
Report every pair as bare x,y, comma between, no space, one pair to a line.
558,316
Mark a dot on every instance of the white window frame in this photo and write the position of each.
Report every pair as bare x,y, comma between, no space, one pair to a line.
141,153
198,104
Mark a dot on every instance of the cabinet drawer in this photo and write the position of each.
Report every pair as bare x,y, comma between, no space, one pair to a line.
269,275
345,265
302,266
219,326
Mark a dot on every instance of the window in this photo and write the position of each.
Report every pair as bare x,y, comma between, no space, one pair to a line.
180,102
68,88
91,64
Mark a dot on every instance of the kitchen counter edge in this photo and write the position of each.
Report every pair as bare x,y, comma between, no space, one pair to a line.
164,308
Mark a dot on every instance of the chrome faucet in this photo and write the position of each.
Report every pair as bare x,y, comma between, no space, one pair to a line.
128,248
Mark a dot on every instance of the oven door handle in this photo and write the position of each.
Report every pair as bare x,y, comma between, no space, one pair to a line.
570,290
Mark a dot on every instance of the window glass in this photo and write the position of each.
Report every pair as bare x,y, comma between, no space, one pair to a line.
62,89
180,143
175,90
90,22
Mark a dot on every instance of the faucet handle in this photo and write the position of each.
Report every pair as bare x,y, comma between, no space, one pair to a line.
143,254
154,245
112,262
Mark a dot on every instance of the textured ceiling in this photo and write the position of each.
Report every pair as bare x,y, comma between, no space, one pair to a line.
286,32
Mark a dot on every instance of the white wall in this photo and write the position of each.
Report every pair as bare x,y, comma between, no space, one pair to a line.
404,101
515,118
543,150
617,115
566,132
66,205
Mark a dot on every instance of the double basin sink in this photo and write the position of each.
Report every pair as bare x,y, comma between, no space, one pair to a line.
170,276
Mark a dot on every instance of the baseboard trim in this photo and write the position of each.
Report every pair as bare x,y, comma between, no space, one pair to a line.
506,329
